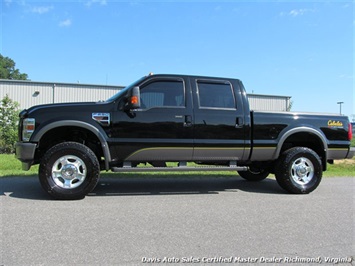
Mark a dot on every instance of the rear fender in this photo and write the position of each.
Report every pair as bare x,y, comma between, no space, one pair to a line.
296,130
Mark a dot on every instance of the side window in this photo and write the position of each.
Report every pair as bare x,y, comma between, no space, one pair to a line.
163,93
215,95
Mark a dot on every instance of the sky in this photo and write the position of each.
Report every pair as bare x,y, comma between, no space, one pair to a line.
302,49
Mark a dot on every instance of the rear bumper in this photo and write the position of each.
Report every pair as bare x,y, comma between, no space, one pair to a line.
25,152
351,153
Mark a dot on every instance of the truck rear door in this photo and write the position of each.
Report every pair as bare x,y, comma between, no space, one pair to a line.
219,130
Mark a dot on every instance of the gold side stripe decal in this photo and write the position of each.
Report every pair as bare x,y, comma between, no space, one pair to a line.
162,148
206,148
265,148
184,148
198,148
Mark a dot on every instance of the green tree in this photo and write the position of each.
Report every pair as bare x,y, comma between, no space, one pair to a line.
8,70
9,111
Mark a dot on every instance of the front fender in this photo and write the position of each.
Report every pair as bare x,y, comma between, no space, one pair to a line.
36,137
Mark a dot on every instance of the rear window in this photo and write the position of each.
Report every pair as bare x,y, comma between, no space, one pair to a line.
215,95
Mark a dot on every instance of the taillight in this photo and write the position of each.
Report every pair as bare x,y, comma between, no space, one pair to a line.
28,127
350,132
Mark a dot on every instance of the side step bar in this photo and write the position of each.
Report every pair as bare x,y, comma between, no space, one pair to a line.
181,168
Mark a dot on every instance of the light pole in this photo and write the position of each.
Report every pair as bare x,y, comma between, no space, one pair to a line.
340,103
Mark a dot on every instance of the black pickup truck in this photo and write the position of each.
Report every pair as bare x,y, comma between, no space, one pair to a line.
177,123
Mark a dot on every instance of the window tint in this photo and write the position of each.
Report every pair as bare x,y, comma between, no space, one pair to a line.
162,94
215,95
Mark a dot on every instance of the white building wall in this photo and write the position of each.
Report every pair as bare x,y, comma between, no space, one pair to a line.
67,93
30,93
23,93
260,102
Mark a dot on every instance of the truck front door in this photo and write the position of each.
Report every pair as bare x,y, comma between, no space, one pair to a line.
161,130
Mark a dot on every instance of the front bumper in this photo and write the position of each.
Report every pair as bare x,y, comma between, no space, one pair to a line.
351,153
25,152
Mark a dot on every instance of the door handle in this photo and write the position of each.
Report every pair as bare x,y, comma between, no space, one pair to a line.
188,121
239,122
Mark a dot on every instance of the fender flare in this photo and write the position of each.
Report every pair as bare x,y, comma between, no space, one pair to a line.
100,135
302,129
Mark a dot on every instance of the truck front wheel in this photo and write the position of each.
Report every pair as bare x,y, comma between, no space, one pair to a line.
299,170
69,170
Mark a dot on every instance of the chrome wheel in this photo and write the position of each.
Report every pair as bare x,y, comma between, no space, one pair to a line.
299,170
302,171
69,172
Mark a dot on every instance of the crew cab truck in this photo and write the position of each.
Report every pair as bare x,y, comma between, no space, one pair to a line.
192,122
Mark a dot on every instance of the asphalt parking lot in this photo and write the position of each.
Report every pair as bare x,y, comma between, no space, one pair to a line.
210,221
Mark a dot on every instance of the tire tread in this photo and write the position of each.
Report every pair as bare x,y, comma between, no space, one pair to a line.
46,166
282,170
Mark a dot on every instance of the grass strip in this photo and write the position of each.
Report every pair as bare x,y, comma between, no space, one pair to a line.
10,166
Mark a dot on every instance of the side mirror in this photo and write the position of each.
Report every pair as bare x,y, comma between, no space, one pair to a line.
134,101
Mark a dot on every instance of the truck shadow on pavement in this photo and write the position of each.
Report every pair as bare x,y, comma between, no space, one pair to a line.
30,188
180,185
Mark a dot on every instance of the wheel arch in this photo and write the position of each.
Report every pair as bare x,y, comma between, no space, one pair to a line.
304,137
46,133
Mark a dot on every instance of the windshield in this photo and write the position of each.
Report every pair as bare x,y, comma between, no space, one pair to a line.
123,91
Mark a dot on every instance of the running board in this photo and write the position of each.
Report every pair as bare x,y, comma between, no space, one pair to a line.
183,168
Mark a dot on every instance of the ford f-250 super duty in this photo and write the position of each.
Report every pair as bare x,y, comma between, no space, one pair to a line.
179,119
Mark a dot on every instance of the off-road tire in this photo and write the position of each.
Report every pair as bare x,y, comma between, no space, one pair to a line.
299,170
69,171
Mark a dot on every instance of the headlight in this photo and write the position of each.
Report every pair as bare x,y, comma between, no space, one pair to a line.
28,127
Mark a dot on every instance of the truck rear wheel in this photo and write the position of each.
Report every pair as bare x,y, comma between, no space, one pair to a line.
299,170
69,170
254,174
